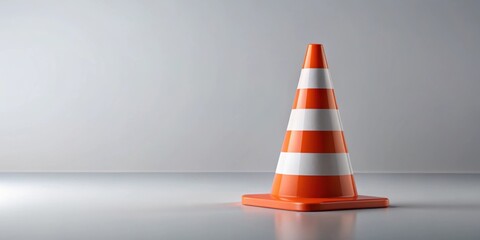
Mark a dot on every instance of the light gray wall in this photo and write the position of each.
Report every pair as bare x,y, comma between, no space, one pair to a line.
208,85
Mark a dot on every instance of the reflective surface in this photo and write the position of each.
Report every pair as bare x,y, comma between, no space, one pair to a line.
206,206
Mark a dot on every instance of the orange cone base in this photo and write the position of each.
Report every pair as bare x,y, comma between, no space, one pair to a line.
314,204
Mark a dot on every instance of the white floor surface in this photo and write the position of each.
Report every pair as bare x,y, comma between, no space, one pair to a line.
207,206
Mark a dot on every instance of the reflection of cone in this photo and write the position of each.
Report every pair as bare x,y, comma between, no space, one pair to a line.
328,225
313,171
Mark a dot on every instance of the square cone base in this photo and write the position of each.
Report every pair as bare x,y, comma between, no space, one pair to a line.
314,204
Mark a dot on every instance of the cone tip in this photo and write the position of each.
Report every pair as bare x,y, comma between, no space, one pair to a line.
315,44
315,57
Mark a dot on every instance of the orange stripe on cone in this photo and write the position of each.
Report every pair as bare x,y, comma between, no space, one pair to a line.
315,98
313,186
314,142
315,57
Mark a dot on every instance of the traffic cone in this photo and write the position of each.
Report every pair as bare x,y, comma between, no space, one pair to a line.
314,171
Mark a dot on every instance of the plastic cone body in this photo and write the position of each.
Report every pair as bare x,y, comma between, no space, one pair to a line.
314,171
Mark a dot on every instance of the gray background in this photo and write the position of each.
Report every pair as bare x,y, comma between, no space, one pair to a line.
208,85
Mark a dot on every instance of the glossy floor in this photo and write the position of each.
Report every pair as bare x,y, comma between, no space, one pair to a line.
206,206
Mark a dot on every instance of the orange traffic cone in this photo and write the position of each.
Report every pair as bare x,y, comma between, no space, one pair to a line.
314,171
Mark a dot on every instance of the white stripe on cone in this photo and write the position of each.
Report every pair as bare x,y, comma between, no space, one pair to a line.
315,78
314,164
314,120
